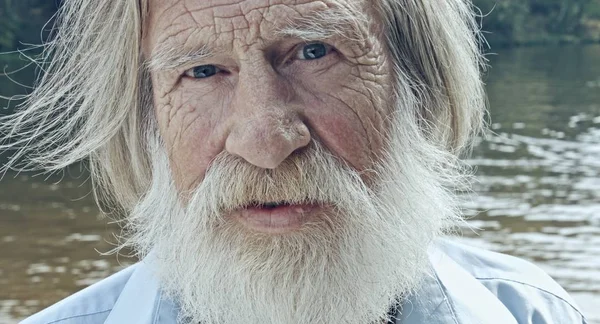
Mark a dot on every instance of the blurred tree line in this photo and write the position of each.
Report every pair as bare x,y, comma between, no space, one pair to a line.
509,22
522,22
21,22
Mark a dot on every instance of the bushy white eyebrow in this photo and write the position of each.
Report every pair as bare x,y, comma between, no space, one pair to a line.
340,22
318,26
168,57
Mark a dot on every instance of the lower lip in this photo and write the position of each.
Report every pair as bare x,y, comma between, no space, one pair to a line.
276,220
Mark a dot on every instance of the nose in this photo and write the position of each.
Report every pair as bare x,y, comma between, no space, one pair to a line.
266,128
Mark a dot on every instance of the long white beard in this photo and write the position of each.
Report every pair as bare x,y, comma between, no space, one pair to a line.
348,266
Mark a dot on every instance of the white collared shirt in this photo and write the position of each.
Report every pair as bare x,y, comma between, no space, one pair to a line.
465,285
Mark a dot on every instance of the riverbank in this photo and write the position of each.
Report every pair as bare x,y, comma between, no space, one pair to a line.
589,34
513,23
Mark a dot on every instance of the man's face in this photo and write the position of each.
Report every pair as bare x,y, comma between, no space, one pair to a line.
305,199
253,79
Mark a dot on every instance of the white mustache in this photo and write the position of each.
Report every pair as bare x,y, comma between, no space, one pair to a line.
311,176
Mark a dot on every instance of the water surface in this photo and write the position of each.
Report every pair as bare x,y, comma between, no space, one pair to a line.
538,191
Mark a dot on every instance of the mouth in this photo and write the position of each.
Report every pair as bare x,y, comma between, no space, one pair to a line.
275,217
269,205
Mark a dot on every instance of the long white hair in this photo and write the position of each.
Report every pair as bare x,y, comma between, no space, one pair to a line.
93,98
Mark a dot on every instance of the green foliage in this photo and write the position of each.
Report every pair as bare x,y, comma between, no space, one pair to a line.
592,10
21,21
503,19
513,22
509,22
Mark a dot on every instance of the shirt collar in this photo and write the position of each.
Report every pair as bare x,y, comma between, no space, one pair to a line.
450,294
141,301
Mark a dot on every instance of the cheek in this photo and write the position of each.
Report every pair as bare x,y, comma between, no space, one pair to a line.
190,133
348,119
342,132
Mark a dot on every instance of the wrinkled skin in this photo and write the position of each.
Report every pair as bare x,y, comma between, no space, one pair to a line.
257,107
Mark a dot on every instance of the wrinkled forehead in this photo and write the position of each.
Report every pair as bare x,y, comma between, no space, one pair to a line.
172,23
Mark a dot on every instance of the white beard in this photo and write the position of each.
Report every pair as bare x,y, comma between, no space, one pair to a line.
348,266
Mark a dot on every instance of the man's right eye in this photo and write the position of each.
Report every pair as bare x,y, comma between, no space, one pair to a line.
202,71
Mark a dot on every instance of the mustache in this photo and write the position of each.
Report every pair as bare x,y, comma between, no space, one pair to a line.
312,176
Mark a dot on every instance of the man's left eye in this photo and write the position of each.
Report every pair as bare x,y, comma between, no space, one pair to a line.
313,51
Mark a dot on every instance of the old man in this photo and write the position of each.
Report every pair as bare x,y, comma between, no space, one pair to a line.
277,161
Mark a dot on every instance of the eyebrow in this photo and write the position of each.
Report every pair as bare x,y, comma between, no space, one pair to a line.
318,26
167,57
325,24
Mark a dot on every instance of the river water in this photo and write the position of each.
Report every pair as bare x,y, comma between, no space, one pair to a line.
537,191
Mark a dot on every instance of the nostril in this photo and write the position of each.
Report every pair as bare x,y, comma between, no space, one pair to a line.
298,151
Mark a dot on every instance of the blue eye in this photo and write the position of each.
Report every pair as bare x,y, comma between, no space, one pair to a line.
202,71
313,51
